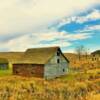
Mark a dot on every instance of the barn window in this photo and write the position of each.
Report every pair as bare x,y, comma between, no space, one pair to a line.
63,70
58,53
58,60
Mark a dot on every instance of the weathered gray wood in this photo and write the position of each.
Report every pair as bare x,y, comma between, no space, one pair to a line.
54,69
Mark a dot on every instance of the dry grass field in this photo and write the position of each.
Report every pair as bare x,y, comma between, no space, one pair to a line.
74,86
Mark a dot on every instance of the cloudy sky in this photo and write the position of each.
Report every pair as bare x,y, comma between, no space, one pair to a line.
42,23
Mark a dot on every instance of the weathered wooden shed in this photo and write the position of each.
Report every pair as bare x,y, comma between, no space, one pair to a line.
42,62
3,64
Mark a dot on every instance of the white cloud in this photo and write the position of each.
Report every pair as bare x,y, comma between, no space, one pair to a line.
78,36
23,17
18,16
95,27
90,28
43,40
94,15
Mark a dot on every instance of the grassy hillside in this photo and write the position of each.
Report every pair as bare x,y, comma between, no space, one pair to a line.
74,86
96,52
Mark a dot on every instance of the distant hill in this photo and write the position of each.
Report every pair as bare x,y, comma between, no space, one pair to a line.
70,55
96,52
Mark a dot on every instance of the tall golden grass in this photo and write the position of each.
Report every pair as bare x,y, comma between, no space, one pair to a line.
22,88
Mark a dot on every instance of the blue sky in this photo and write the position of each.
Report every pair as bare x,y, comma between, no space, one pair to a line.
74,27
42,23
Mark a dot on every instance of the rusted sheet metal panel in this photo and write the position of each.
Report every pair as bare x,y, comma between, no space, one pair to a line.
34,70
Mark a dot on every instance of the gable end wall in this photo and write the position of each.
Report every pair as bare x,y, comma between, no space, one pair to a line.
54,69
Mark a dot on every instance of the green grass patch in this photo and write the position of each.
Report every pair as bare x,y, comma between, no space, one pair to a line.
5,72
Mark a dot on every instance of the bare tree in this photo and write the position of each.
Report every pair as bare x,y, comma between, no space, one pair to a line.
80,51
86,52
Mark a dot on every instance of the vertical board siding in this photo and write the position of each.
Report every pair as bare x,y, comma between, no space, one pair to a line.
54,69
